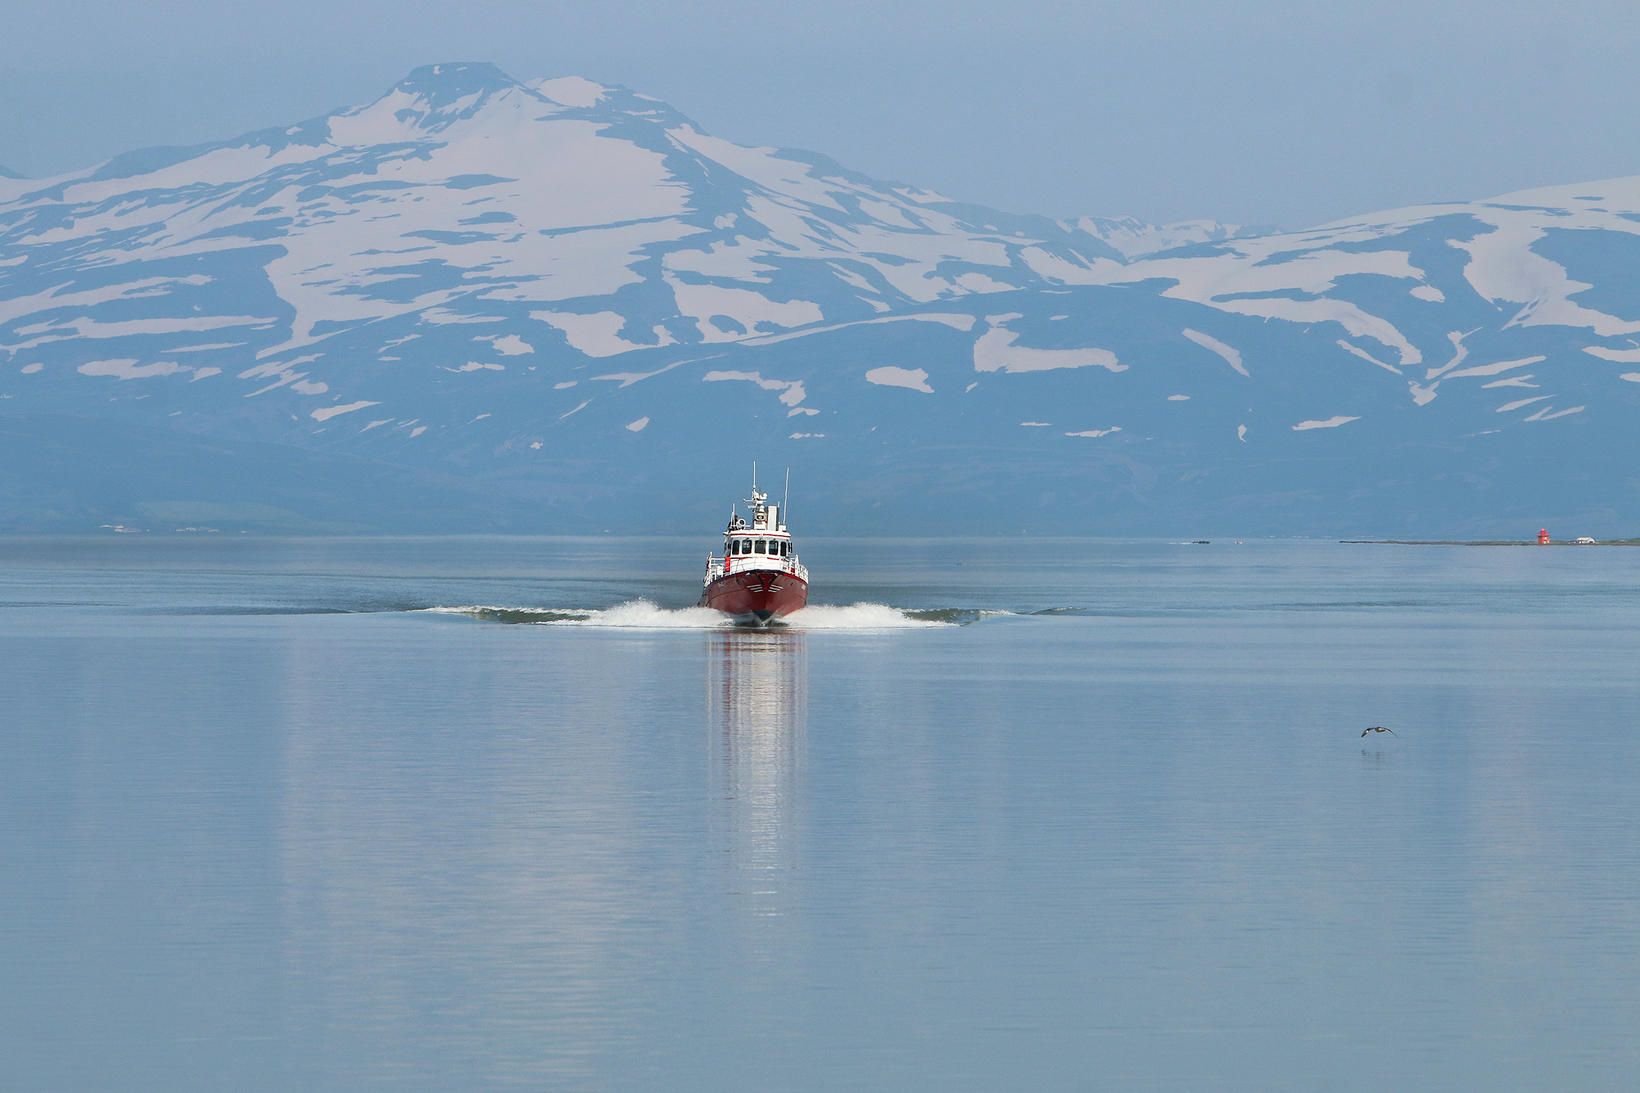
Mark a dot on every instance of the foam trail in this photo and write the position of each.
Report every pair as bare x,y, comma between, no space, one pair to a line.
632,615
858,616
644,615
493,613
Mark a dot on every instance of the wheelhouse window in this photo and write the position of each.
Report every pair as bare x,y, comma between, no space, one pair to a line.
785,548
762,546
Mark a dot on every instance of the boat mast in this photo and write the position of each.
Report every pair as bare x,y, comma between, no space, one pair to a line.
759,504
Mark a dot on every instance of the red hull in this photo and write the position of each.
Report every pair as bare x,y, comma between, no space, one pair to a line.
756,595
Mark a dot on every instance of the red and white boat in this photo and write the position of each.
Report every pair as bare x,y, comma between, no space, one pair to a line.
759,578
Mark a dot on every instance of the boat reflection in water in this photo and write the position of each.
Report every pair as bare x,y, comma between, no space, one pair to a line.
758,707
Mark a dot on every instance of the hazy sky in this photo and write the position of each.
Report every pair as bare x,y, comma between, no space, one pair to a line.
1274,112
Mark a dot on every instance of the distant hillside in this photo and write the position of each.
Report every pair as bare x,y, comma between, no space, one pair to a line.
484,303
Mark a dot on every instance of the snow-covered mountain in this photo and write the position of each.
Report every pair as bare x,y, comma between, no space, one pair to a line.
615,218
481,302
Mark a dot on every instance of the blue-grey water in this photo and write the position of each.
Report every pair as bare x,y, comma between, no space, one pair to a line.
1091,815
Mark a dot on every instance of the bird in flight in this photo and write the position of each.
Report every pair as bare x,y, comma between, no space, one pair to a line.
1378,728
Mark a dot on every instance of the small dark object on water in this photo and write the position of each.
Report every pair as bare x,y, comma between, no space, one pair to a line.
1378,728
1200,542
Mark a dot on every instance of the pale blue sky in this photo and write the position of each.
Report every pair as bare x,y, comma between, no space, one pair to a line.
1269,112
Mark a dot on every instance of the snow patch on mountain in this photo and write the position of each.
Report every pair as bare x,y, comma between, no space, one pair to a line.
791,391
914,379
722,313
508,345
1133,238
328,412
570,91
1552,414
597,333
1492,369
1504,268
128,369
1324,423
963,323
997,351
1230,356
1622,356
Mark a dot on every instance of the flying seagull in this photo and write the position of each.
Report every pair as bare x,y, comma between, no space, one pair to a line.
1377,728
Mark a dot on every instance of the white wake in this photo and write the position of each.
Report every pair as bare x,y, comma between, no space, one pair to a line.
644,615
857,616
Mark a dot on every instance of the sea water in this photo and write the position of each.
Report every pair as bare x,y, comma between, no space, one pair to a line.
1005,814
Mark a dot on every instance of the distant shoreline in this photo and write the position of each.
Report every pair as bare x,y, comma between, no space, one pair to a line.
1488,542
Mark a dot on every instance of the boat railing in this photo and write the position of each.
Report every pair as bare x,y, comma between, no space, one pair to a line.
717,566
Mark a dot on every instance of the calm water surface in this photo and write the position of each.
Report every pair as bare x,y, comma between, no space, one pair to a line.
1060,815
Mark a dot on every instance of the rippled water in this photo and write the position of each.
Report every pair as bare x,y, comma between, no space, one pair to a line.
1010,814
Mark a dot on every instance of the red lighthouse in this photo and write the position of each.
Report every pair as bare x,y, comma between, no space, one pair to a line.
1543,536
